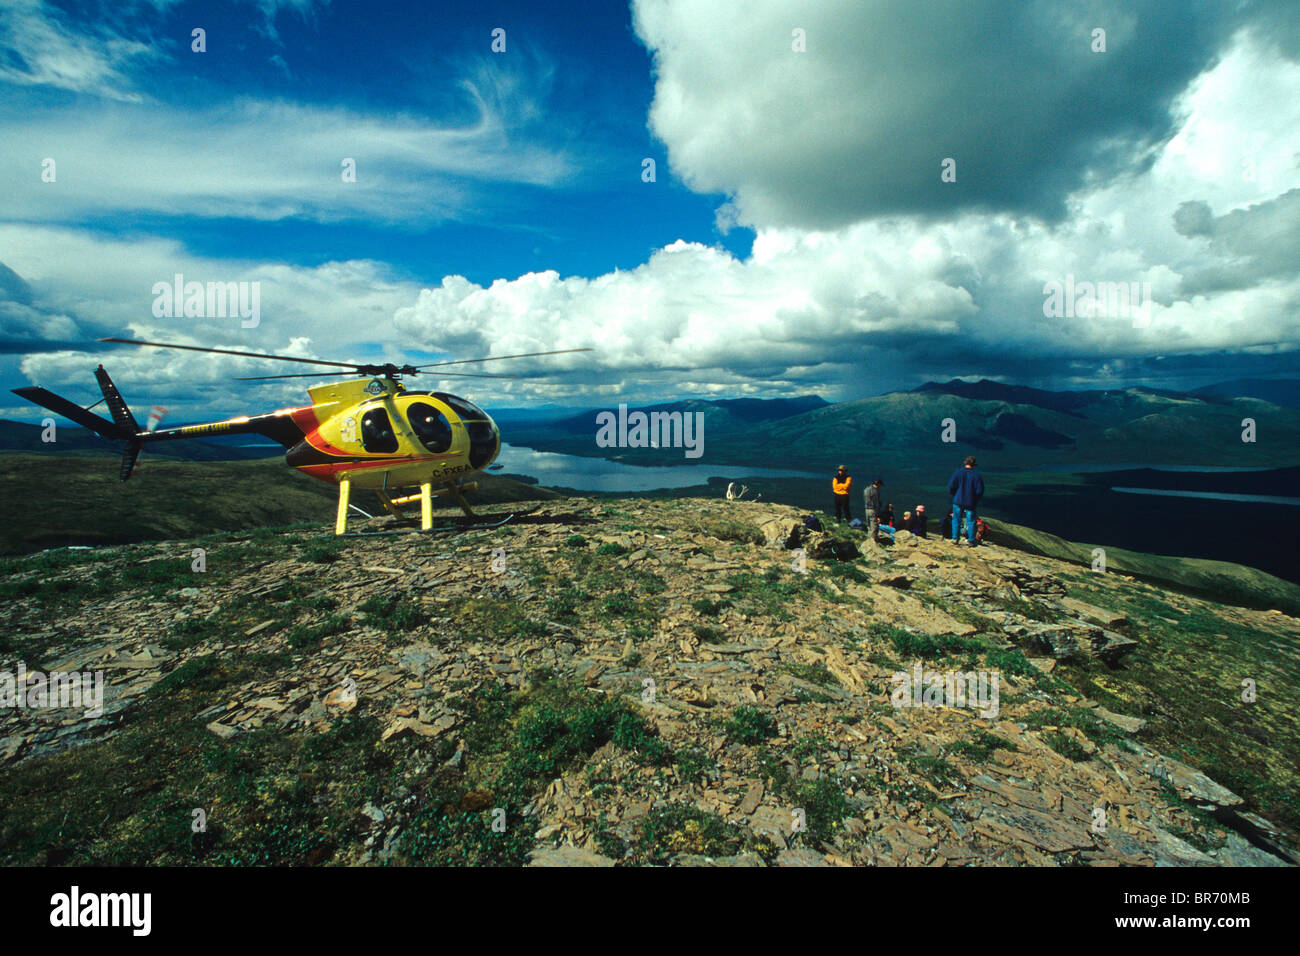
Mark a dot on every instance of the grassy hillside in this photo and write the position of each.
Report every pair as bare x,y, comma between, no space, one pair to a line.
1219,580
55,500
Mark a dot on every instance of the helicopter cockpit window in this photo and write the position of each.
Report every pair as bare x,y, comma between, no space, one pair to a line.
377,434
462,407
430,426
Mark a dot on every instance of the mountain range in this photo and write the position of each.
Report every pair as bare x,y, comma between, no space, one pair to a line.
935,425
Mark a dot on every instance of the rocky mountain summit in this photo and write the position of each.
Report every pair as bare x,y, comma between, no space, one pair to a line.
689,682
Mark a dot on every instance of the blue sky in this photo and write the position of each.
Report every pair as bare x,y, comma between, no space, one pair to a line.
395,57
586,70
800,234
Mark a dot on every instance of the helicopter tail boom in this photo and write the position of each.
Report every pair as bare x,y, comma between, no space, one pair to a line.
283,427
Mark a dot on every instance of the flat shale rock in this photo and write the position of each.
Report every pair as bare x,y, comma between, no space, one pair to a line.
800,856
1047,831
567,856
902,609
1191,784
1169,850
1107,619
1238,851
740,859
1130,725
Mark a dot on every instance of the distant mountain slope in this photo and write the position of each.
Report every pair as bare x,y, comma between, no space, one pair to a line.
985,390
720,416
538,415
1284,392
1086,403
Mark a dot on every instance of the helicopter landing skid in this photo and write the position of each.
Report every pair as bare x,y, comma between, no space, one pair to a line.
454,529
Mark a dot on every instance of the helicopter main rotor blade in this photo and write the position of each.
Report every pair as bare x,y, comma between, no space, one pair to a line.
266,378
196,348
498,358
351,366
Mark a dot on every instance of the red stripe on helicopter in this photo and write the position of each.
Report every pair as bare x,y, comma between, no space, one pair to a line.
327,471
317,441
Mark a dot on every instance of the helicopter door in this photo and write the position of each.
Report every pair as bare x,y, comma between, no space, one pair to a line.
430,426
377,436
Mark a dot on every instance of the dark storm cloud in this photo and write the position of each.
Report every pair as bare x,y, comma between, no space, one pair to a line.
904,370
858,125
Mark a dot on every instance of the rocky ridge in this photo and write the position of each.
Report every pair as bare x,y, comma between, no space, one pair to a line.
757,663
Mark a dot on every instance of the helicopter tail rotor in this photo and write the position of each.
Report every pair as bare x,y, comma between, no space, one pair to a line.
116,404
129,454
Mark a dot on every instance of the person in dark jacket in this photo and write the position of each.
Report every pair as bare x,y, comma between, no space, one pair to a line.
841,486
871,498
967,488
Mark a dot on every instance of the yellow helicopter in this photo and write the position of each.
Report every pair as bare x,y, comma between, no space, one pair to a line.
370,433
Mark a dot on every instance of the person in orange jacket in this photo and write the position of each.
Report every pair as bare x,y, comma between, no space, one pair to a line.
841,485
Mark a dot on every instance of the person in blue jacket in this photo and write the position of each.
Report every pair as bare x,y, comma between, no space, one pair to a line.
967,488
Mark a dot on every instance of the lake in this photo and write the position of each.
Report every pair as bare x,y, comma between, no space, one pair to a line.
1089,469
599,474
1212,495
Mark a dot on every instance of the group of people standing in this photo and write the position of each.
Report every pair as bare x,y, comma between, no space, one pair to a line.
966,487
